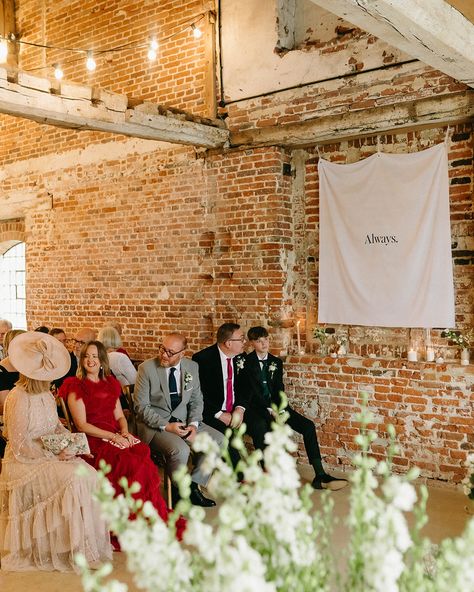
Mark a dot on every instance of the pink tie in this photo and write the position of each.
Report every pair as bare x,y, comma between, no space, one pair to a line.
229,398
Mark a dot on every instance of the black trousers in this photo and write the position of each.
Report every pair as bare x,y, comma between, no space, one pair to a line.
258,426
221,427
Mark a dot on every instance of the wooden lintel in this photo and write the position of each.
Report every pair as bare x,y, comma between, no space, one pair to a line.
84,108
428,112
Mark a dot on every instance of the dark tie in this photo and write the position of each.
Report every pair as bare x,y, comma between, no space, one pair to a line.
174,395
266,390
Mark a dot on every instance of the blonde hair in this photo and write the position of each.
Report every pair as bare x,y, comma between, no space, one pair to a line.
33,386
110,337
8,337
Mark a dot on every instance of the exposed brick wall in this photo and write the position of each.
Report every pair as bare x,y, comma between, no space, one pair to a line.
176,78
430,405
178,239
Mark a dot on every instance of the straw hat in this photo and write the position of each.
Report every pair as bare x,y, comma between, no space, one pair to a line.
39,356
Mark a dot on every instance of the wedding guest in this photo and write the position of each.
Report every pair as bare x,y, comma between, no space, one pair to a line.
94,402
118,327
120,364
264,376
8,373
47,511
224,393
42,329
4,327
60,335
168,402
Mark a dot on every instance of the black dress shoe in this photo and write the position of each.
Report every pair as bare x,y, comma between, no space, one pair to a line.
198,499
328,482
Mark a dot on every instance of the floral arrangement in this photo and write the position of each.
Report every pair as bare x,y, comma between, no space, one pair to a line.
272,368
267,536
240,363
321,334
468,482
462,340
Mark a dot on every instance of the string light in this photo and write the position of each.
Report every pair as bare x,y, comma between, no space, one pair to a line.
58,72
3,50
151,47
90,62
196,31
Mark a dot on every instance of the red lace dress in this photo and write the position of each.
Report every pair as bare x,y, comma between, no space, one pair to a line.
133,463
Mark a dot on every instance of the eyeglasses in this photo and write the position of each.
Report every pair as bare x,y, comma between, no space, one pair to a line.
81,343
169,352
241,339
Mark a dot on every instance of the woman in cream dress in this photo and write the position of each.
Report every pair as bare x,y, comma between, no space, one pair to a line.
47,510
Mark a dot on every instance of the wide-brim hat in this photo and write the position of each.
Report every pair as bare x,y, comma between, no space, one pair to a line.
39,356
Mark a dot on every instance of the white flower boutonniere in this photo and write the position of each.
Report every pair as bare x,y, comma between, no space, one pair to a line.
188,378
240,364
272,368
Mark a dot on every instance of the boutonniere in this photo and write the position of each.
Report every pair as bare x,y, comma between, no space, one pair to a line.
188,378
272,368
240,364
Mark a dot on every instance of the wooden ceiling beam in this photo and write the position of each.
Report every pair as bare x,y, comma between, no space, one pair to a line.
433,32
429,112
85,108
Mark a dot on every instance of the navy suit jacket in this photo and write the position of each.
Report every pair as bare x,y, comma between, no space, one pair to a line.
254,385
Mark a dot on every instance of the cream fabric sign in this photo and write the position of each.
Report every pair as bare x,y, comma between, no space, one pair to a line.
385,241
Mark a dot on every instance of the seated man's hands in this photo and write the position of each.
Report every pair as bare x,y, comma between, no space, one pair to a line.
237,417
192,431
226,418
179,428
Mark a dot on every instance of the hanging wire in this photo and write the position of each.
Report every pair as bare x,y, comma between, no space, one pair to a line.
190,23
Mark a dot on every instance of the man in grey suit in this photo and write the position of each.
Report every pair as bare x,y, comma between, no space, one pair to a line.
168,404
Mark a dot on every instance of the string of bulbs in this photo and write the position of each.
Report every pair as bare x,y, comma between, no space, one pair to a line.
151,46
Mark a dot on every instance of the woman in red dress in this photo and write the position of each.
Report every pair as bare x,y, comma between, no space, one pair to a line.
94,402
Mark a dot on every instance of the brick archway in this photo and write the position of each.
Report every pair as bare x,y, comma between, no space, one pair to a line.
11,233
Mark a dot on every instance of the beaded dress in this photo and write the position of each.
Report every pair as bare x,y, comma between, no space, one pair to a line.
47,511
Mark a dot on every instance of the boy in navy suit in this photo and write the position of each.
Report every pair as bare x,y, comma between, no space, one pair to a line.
264,374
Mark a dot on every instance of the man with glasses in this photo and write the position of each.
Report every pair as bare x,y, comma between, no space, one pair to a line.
168,403
220,372
264,373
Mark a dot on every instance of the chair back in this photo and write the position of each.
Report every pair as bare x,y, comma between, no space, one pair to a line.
66,414
129,410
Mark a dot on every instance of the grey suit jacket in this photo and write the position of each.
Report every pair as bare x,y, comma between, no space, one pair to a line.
152,401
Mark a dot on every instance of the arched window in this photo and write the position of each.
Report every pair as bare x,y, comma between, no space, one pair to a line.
12,286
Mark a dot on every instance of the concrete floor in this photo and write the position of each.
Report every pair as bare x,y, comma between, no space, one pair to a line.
446,510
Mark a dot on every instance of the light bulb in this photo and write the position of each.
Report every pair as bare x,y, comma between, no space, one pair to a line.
196,32
58,73
90,63
3,50
151,55
153,44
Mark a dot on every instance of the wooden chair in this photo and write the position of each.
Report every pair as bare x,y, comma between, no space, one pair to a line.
69,422
158,459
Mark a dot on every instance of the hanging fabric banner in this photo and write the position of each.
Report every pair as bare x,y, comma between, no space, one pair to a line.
385,241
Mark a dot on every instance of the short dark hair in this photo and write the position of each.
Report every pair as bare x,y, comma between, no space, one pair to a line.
42,329
56,331
225,332
255,333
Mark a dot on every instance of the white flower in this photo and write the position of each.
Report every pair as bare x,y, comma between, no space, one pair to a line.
240,363
188,378
272,368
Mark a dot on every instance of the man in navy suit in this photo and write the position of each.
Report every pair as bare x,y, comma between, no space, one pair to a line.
220,374
263,376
